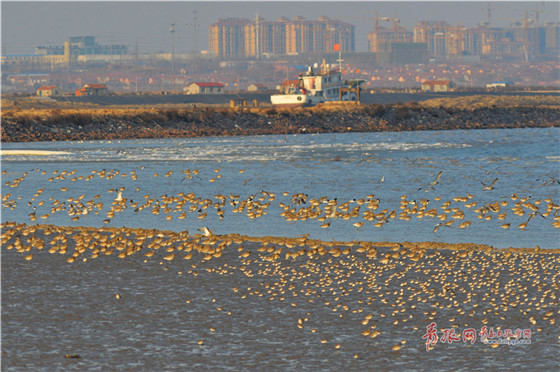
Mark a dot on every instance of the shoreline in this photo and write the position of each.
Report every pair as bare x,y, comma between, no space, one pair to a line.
288,242
183,122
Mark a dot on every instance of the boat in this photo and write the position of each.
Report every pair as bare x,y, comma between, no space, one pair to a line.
295,96
318,85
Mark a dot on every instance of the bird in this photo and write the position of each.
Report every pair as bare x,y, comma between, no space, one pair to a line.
438,226
436,180
550,181
368,158
464,224
535,214
490,186
432,184
205,231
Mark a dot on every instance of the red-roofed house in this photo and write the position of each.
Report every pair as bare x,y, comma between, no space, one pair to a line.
49,91
92,90
206,88
437,86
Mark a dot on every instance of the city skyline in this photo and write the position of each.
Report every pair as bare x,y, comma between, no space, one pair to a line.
145,26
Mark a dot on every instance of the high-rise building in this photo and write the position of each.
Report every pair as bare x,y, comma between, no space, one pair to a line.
238,38
477,37
434,33
382,35
227,37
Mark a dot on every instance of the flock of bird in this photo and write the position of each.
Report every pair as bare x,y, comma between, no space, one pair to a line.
386,289
459,211
408,282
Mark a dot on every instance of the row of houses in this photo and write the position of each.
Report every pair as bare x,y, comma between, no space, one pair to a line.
219,88
86,90
102,90
450,85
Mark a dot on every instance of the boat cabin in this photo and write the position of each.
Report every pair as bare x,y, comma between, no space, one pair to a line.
325,83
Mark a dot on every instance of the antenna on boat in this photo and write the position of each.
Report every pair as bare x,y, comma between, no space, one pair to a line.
339,60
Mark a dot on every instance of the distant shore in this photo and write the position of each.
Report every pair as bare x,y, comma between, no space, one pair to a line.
171,121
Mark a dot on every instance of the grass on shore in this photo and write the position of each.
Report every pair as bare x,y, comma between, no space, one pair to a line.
48,109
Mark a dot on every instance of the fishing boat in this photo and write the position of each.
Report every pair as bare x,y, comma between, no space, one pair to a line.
318,85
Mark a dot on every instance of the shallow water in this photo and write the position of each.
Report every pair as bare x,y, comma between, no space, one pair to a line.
342,166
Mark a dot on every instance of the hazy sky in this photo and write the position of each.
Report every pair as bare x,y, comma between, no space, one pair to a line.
146,24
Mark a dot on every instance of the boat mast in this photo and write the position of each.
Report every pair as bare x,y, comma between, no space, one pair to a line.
339,60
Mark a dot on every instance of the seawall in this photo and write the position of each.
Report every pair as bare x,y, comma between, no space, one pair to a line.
97,124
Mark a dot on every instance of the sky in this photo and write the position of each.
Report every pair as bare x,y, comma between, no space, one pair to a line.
144,25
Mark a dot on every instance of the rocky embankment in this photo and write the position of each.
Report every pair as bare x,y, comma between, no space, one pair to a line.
60,125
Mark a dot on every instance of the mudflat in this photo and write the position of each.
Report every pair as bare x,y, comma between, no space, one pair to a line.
159,298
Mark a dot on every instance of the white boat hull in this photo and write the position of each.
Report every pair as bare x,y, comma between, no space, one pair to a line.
290,100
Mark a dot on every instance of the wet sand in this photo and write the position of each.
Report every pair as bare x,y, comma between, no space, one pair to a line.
145,299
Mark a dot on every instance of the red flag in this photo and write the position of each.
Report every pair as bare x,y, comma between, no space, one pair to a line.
336,47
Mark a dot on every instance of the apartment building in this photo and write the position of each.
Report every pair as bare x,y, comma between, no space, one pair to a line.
240,38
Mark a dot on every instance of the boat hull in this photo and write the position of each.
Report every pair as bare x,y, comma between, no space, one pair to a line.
290,105
290,100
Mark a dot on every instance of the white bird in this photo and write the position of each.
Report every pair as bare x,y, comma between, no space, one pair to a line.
205,231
